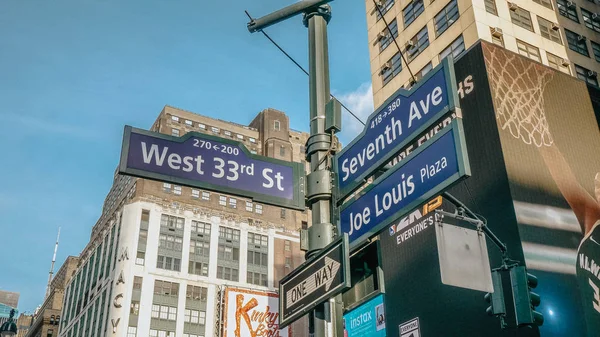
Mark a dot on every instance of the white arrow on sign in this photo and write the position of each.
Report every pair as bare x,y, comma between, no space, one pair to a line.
323,276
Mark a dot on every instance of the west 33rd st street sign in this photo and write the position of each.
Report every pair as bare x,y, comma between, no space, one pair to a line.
212,163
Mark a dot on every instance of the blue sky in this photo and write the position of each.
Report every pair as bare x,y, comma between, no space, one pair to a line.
73,73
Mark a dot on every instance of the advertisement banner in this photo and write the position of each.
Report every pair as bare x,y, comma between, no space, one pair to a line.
366,320
251,313
551,148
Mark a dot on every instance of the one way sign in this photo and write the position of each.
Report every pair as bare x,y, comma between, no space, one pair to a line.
316,280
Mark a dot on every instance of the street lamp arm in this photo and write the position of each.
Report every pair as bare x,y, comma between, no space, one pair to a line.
285,13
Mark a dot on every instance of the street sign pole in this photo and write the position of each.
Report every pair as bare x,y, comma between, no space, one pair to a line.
319,191
321,232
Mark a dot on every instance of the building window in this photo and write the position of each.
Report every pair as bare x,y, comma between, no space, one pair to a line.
169,221
545,3
568,9
283,213
426,69
177,190
596,50
281,151
232,202
167,187
195,194
446,17
241,137
227,273
201,126
585,74
195,316
258,240
258,279
199,248
391,68
490,7
205,196
200,228
222,200
198,268
164,312
131,331
384,8
528,50
412,11
387,39
288,262
214,129
497,39
557,63
589,21
420,42
229,234
577,43
276,125
196,293
549,30
170,242
175,119
137,283
134,308
165,288
455,48
175,132
168,263
161,333
140,258
252,140
258,209
189,122
521,18
227,133
287,244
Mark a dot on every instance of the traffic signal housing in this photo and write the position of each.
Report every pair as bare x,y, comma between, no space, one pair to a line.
525,300
496,299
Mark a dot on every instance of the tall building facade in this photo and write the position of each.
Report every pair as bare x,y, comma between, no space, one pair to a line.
162,255
46,320
561,34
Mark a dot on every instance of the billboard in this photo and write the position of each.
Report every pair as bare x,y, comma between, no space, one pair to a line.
366,320
250,313
534,146
551,148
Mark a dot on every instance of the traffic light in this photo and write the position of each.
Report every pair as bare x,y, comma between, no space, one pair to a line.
496,298
525,300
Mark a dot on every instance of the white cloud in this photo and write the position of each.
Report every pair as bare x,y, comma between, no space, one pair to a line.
360,102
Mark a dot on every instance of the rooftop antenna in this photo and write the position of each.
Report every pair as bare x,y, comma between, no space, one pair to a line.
52,265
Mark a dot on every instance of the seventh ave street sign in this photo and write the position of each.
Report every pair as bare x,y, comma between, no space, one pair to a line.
315,281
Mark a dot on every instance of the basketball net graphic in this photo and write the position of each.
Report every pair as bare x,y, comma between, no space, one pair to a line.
517,85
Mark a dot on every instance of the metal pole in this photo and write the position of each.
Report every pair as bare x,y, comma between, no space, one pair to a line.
320,202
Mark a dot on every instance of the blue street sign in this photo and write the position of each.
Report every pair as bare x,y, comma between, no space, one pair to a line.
394,125
433,167
212,163
366,320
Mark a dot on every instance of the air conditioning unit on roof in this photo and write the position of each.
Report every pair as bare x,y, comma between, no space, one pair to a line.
592,74
512,6
555,26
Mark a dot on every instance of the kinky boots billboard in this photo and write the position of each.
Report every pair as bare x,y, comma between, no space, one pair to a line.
251,313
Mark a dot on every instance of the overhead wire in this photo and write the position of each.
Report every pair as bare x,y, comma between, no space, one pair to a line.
303,70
